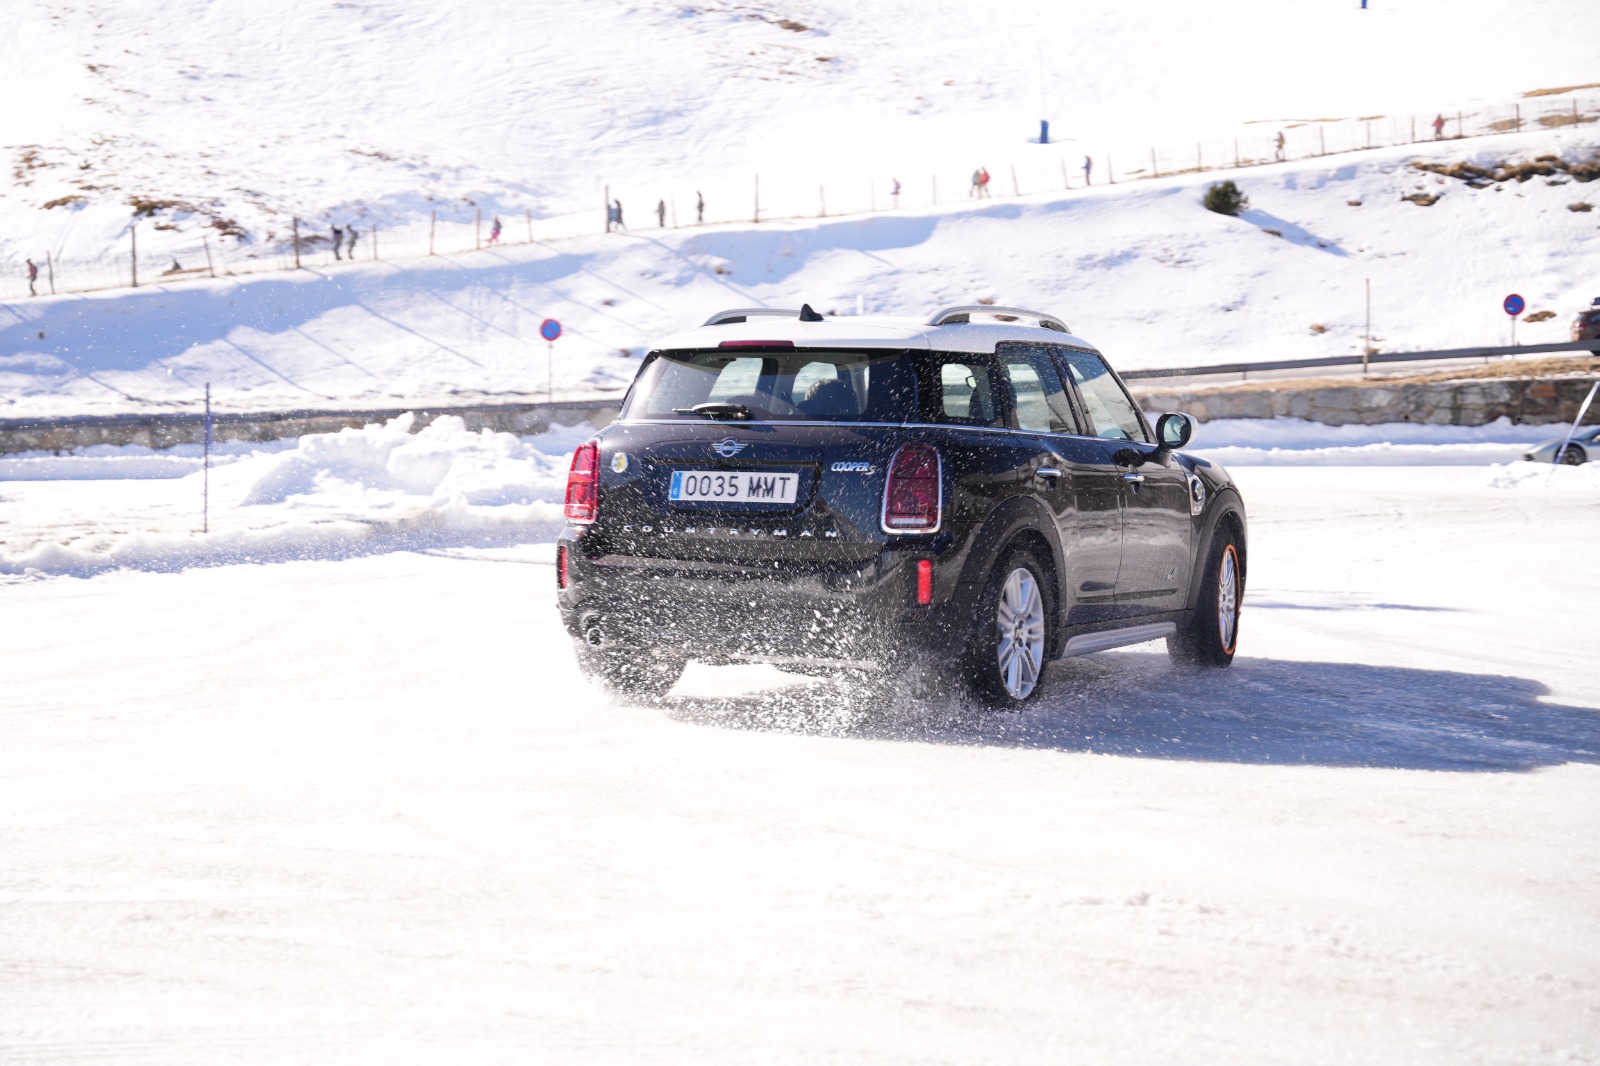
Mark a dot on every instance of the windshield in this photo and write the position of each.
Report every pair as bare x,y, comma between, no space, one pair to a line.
800,385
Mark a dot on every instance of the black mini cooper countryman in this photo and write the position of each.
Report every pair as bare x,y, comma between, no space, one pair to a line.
963,498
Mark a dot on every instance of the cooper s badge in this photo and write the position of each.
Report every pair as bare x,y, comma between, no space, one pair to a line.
852,468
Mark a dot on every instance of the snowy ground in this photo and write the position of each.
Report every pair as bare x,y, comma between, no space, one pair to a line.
360,807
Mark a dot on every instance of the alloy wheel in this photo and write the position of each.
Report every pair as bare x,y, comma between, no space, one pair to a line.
1019,618
1228,598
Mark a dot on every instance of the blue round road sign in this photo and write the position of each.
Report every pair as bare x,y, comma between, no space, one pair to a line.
550,329
1515,305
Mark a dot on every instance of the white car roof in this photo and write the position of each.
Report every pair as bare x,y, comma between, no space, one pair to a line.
875,331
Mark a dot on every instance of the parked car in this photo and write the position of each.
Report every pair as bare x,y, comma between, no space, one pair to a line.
1586,327
1585,445
961,498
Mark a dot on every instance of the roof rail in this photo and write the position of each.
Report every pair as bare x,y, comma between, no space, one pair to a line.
964,313
739,314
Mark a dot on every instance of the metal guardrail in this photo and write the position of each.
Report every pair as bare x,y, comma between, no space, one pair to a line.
1356,360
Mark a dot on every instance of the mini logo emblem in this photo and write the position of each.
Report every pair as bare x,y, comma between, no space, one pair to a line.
619,462
851,468
727,447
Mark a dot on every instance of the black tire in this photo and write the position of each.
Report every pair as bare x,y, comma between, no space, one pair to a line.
988,672
640,675
1211,635
1574,456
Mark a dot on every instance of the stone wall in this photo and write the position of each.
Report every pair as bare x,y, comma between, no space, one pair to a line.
1462,402
164,430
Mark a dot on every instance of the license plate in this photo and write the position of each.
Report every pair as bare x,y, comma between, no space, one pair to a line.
732,486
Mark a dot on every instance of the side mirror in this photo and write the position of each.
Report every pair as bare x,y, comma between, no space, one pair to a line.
1174,430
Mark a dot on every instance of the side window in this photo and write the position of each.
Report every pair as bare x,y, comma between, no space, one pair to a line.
1039,398
966,393
1111,414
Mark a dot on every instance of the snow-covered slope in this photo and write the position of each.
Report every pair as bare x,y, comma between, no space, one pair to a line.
383,109
1140,269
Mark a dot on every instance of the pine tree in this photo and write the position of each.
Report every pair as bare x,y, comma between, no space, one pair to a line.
1225,198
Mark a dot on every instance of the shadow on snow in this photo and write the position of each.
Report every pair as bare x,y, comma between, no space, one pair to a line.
1261,711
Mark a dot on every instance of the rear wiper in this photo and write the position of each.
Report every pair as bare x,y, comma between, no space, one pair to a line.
736,412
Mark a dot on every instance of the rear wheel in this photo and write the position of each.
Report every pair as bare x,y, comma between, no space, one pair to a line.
639,674
1212,632
1005,664
1573,456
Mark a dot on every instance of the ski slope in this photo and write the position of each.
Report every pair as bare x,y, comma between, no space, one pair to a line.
366,811
380,110
1140,269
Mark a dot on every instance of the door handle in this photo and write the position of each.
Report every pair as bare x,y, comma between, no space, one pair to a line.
1048,472
1133,478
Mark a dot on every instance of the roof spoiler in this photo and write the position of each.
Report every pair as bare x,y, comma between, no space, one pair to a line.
739,314
964,313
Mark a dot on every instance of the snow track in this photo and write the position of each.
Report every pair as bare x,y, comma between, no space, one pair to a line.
365,810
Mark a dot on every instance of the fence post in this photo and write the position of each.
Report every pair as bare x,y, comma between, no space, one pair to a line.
477,230
1413,129
433,225
296,242
374,241
1199,158
50,266
757,217
1236,153
133,260
1155,171
1369,135
527,213
1016,190
1574,112
1519,116
1066,182
822,200
210,267
1322,139
1459,132
1111,174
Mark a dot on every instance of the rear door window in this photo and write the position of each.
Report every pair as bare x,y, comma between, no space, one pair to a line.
1109,409
962,389
1039,400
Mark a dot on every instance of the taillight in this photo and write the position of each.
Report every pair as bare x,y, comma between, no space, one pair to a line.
924,581
561,566
583,483
913,495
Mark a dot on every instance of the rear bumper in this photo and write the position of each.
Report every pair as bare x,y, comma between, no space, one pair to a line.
864,615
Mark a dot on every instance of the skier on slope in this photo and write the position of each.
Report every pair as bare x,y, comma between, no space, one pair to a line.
1438,126
973,191
983,183
661,214
699,207
1280,146
33,276
494,231
338,236
1088,166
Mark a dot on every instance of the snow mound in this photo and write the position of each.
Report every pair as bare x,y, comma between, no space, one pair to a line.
1538,477
1297,442
332,495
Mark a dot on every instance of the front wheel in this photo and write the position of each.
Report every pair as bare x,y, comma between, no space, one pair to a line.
1573,456
1006,661
1212,632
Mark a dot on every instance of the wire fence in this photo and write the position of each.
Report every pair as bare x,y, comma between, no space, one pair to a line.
157,253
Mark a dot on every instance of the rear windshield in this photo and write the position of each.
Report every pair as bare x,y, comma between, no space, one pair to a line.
807,385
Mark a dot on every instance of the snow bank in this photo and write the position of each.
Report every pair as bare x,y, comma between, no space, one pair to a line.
378,488
1541,477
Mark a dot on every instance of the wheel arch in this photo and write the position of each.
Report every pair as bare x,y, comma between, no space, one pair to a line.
1225,513
1020,522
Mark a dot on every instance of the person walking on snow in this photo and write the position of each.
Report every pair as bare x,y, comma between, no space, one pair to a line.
661,214
338,237
1438,126
1088,168
1280,146
33,276
616,207
894,191
494,231
699,208
350,248
983,182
